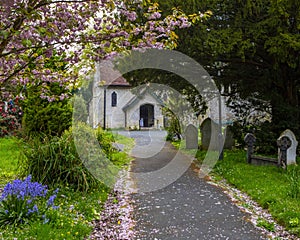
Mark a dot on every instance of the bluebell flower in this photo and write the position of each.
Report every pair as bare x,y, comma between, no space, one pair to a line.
56,191
46,220
33,210
51,199
27,194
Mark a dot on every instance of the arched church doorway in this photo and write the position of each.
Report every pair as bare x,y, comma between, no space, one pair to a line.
147,115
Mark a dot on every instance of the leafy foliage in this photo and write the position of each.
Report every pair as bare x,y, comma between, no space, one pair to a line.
173,126
80,112
44,117
58,160
55,160
80,33
251,48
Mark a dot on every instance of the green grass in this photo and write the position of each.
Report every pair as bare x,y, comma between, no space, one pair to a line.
77,209
126,141
9,154
273,188
70,221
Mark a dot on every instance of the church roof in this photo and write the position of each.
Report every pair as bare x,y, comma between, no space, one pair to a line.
137,98
110,76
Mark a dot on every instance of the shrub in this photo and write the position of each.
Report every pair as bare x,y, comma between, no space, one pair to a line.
55,160
23,201
264,132
75,158
42,116
105,140
173,126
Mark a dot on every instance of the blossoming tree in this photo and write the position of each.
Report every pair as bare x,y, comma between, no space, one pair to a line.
46,41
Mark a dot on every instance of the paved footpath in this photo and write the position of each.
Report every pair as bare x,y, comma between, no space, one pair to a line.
188,208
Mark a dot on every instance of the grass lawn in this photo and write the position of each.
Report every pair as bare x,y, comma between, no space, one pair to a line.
273,188
9,154
76,209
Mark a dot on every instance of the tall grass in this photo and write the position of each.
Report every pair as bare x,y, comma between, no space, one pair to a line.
82,158
55,161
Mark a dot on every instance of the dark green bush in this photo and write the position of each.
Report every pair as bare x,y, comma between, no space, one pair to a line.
43,116
105,139
265,135
173,126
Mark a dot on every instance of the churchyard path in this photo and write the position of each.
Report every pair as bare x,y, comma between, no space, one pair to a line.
188,208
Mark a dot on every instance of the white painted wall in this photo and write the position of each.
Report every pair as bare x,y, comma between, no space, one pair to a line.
116,116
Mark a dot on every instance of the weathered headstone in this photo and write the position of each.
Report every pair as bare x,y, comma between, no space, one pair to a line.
283,143
209,134
229,139
250,141
191,136
291,152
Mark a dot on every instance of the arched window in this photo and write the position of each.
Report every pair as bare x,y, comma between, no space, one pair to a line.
114,99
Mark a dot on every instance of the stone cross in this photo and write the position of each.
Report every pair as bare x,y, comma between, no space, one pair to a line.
250,141
283,144
291,152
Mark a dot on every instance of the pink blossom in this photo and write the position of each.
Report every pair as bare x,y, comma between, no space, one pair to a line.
58,33
154,16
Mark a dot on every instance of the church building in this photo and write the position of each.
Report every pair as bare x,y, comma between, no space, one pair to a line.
116,104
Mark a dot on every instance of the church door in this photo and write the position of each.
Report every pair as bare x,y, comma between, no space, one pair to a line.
147,115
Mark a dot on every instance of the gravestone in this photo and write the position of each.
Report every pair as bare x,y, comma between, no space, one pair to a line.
283,143
209,134
291,152
191,136
229,139
250,141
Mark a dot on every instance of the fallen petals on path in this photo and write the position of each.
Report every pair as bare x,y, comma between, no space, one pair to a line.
116,221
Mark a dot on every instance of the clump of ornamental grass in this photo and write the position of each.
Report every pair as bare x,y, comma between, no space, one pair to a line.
23,201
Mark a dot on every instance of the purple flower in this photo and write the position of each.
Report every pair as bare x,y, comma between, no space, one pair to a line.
24,189
155,15
51,199
33,210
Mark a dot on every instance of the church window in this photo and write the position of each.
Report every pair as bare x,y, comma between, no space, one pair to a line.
114,99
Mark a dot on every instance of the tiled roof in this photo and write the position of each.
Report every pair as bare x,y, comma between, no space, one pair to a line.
111,77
